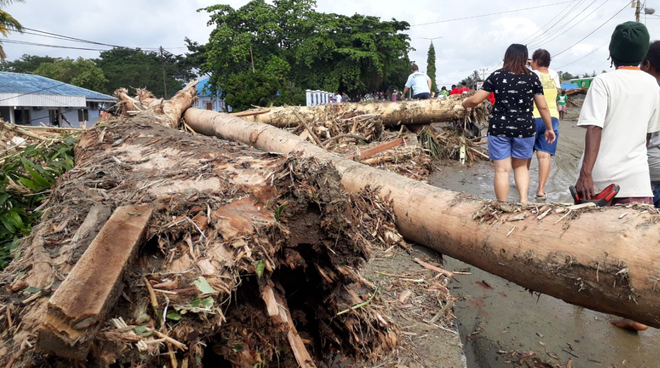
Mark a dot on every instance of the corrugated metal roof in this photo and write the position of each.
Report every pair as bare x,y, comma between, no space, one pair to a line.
26,84
203,87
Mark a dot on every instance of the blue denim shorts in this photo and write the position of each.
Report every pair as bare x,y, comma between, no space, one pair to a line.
500,148
656,194
541,144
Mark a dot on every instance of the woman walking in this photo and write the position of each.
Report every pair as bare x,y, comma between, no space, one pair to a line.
544,150
512,130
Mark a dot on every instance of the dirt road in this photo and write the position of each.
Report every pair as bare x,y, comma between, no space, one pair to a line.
500,321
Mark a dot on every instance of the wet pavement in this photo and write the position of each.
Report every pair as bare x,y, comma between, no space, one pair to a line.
498,318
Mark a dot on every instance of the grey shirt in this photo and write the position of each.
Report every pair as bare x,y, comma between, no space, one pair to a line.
653,153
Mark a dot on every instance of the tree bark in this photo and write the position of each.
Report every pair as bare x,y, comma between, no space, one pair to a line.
605,259
392,113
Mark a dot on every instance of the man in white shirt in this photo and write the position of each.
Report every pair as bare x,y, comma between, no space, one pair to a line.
420,84
621,107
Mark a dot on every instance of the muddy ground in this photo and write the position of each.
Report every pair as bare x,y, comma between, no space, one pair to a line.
424,344
500,321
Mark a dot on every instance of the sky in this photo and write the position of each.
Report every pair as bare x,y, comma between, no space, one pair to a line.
462,45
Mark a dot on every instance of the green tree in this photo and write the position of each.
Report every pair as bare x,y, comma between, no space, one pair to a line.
298,48
134,68
430,66
472,79
7,24
26,64
565,75
80,72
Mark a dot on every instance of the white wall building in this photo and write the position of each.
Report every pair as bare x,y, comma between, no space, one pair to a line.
206,100
28,99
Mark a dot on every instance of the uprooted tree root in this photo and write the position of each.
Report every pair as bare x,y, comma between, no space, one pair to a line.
233,229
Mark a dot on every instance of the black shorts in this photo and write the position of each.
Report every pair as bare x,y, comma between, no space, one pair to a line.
422,96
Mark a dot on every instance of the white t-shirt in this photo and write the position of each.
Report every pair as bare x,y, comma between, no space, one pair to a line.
625,104
419,83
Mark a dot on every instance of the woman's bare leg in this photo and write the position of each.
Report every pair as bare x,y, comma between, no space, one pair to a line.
521,176
502,172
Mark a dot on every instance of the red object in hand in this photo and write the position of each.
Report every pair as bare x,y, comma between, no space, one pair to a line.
601,199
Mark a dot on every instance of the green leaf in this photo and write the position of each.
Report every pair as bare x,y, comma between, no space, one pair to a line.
32,290
278,211
174,316
30,184
36,176
203,286
207,303
259,267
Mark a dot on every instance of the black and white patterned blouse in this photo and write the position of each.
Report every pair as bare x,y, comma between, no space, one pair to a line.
514,103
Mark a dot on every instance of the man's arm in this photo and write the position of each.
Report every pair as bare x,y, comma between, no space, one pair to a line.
430,82
585,183
403,95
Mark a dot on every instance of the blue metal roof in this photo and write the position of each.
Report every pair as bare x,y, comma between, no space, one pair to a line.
568,86
203,88
35,84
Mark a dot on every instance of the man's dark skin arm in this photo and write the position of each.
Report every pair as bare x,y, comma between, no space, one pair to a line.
585,184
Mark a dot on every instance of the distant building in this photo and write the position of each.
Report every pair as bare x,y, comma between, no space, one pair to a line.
568,86
207,100
582,82
29,99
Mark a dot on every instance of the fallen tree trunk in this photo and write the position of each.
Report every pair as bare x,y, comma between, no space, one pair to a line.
606,259
577,91
391,113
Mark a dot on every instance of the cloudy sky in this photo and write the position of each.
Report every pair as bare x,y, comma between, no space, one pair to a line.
465,44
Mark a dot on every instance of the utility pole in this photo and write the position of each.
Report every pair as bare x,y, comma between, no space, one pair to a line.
162,57
638,10
483,73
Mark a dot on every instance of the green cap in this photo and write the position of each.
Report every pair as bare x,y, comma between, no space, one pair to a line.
630,43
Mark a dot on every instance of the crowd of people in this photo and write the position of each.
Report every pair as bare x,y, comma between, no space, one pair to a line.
619,111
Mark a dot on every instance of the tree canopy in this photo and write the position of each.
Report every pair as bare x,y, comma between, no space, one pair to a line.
26,64
124,67
270,53
430,67
80,72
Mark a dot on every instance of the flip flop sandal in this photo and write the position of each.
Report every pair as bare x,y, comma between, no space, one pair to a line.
542,196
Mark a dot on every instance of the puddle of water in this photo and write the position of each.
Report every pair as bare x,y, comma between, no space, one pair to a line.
510,318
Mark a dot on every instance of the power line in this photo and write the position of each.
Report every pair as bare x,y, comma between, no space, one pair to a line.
573,26
592,32
53,46
40,33
531,37
576,60
543,34
498,13
545,37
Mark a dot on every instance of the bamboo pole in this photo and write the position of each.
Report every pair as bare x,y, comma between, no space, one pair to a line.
599,260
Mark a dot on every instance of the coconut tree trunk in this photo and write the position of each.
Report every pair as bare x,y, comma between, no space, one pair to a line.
607,259
392,113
